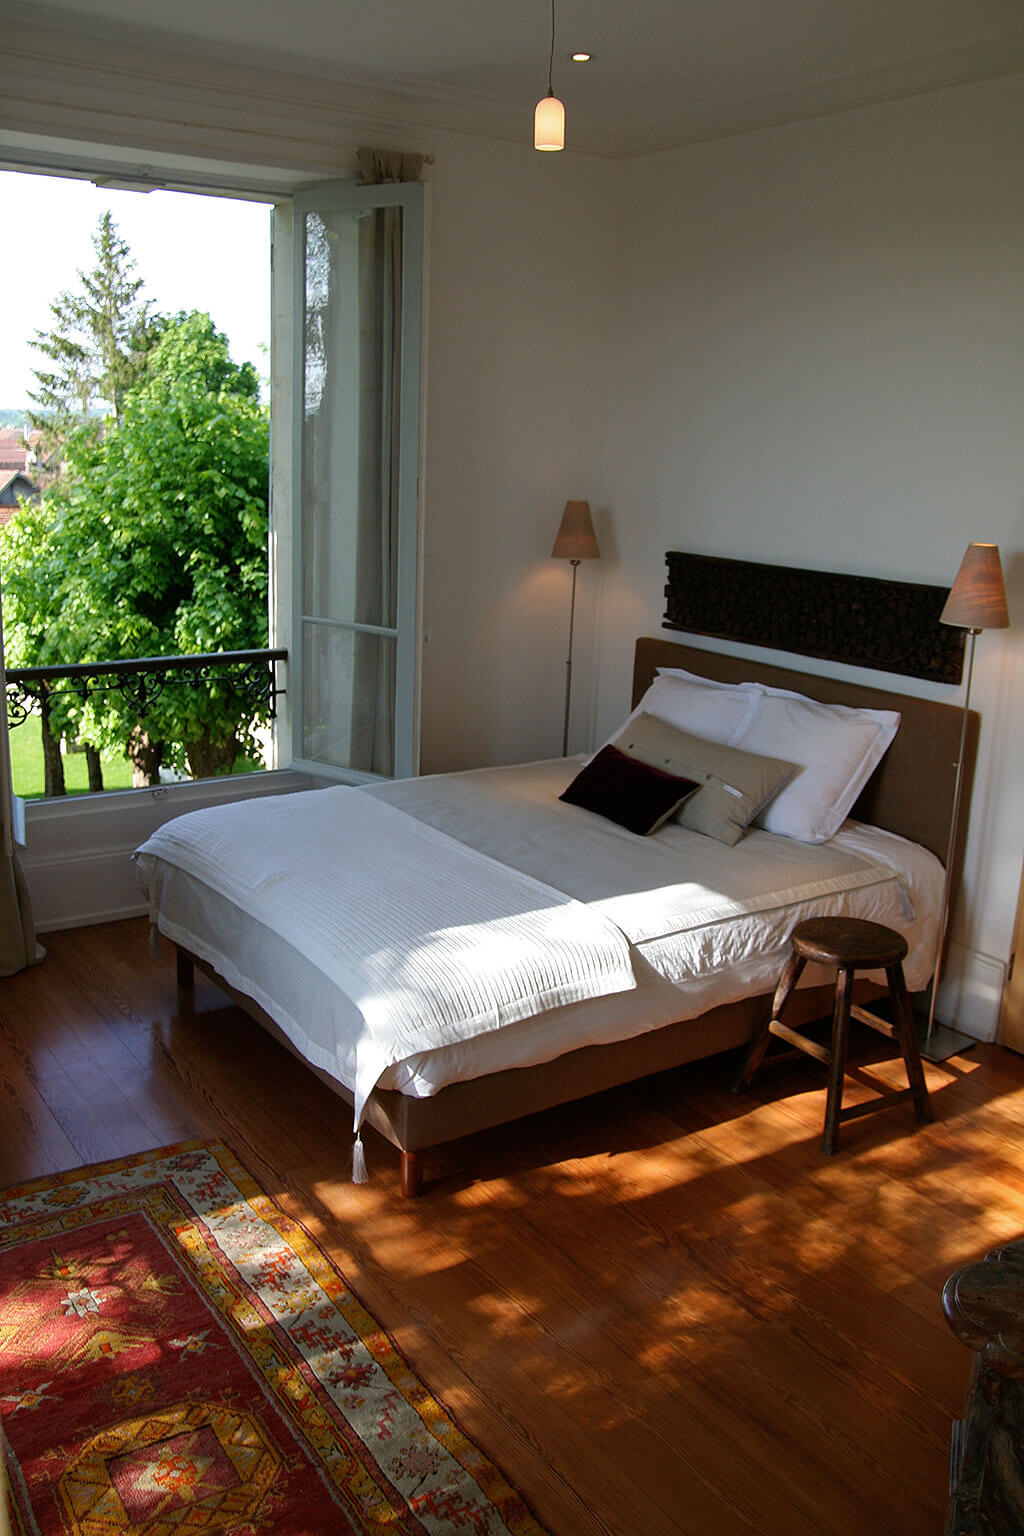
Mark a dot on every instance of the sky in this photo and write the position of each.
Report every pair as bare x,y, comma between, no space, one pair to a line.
207,253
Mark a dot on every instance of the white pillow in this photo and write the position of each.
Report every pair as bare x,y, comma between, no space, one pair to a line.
697,677
837,748
717,711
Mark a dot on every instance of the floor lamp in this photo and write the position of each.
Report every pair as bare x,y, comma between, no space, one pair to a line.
976,601
575,541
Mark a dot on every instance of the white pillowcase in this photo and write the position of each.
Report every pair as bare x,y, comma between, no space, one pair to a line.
837,748
716,711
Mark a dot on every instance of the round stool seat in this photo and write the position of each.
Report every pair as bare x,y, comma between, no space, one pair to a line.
847,945
849,941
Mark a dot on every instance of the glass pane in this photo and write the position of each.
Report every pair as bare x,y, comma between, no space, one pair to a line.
349,699
352,345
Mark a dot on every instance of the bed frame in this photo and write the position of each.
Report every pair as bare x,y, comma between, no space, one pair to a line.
910,793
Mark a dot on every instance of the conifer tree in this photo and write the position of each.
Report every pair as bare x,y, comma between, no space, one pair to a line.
98,342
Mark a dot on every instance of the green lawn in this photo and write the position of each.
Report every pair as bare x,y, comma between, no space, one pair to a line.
27,765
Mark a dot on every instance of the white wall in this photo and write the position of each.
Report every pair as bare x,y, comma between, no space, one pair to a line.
818,361
519,317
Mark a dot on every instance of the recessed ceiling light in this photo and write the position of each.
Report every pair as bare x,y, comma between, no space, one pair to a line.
579,58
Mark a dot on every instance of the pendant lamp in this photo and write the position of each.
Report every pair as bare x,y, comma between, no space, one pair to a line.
549,117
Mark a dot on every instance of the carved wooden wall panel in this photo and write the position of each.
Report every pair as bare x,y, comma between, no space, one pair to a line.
890,626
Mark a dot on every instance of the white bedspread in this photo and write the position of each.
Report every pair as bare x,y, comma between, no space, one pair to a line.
700,924
688,904
430,939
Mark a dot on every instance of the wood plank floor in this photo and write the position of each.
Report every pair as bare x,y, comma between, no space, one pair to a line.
662,1311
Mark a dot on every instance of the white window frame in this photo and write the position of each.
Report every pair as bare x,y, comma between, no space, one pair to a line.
77,855
286,609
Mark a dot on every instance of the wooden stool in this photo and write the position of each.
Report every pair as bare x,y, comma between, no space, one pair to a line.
847,944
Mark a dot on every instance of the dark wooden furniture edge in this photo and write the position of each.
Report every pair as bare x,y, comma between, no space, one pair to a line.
983,1304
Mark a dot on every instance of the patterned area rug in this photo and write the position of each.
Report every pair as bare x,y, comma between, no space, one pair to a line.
178,1358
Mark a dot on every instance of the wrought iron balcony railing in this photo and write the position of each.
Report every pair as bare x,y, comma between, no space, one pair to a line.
143,679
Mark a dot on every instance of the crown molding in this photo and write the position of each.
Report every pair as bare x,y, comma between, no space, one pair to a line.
991,59
69,77
145,91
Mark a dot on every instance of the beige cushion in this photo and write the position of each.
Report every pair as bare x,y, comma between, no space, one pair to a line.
735,786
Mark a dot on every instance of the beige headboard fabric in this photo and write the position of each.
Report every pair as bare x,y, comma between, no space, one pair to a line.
911,792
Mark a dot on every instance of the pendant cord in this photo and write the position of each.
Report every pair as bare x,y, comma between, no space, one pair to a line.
551,56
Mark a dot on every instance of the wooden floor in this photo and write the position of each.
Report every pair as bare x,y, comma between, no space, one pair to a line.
661,1311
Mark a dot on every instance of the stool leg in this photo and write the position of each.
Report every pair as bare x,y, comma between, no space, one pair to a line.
759,1040
837,1068
908,1044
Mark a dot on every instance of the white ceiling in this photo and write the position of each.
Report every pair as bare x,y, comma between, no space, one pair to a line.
663,71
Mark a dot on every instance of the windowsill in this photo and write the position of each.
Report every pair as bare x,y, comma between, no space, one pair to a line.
235,786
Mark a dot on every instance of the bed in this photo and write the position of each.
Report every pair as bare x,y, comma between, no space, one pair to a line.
614,970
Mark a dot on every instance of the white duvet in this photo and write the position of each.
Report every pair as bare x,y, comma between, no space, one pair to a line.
428,938
436,929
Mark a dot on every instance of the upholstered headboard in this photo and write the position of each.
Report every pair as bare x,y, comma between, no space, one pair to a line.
911,792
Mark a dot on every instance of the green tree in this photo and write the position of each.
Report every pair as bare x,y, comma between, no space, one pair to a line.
98,342
33,576
96,349
153,544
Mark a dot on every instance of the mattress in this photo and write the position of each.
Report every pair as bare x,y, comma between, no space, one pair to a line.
704,924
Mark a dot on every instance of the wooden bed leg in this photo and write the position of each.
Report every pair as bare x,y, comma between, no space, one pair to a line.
186,971
412,1174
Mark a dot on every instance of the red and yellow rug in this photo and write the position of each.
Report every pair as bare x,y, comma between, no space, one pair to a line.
178,1358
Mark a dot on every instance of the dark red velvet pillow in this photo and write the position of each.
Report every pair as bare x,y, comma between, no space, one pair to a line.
636,795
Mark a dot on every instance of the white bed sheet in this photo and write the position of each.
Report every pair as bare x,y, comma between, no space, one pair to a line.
714,955
434,941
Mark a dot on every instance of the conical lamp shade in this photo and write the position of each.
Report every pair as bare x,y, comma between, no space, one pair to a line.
977,599
549,124
576,539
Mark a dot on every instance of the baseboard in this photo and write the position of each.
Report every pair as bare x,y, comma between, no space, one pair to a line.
971,992
86,920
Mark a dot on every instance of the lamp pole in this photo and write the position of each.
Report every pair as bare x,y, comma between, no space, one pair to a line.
976,601
949,1041
568,661
575,541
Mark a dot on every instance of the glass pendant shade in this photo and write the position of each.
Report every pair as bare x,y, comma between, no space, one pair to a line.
549,124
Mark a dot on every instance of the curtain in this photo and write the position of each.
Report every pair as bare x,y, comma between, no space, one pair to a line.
388,272
18,946
349,506
377,166
351,438
376,536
